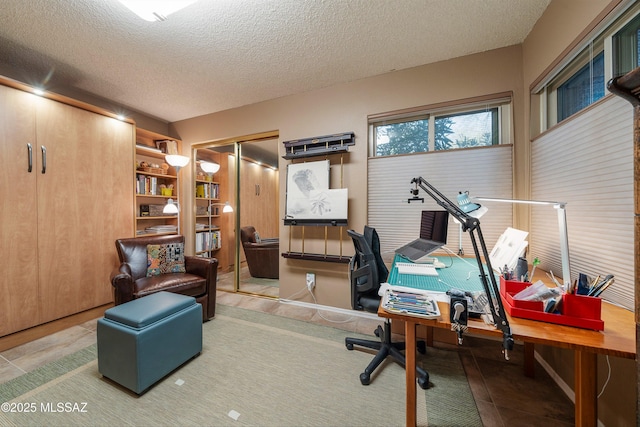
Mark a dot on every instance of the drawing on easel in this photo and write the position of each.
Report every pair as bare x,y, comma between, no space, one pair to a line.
304,181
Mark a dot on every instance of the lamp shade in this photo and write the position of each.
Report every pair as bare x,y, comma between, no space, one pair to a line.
467,206
209,167
170,207
177,160
227,208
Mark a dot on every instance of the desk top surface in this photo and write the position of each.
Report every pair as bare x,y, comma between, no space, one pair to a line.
617,339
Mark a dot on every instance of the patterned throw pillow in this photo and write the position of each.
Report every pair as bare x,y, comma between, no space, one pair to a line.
162,259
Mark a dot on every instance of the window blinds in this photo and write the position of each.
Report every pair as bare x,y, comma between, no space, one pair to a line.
483,172
588,163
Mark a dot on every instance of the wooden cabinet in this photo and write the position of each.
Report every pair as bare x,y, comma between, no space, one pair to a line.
61,216
259,198
156,182
18,211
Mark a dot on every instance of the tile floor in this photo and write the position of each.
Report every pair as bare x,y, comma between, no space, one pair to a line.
504,396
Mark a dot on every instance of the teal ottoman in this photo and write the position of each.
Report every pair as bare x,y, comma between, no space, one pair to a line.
143,340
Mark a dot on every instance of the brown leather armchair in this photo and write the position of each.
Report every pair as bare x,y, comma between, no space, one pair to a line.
262,256
130,279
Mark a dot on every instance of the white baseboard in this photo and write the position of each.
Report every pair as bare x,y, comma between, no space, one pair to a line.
338,310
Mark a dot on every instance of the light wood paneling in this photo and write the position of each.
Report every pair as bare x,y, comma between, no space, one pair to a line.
84,204
18,214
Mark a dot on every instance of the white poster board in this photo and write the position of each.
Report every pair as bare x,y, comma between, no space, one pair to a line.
509,247
304,181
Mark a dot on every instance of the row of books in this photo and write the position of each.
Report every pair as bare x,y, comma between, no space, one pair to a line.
148,185
208,240
207,191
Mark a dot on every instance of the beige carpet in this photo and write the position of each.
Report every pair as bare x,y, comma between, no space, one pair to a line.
255,369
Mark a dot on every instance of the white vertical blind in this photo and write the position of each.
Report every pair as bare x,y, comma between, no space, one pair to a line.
482,171
588,163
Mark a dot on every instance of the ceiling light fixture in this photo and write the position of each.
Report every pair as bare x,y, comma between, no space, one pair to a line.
156,10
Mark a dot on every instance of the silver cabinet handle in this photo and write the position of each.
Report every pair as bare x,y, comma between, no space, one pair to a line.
44,159
30,157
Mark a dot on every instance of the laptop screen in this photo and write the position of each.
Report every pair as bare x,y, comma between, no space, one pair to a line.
434,226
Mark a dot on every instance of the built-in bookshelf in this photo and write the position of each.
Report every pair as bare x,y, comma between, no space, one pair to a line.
155,183
208,230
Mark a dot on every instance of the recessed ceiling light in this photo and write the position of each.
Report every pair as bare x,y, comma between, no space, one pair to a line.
38,91
156,10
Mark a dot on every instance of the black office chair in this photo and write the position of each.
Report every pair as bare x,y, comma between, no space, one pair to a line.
366,272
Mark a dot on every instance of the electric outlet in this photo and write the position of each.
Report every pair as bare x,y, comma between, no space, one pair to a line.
311,281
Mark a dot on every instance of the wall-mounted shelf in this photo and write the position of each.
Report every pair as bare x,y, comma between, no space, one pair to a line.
317,257
316,222
318,146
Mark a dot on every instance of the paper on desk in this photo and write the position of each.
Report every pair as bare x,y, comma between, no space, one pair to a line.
437,296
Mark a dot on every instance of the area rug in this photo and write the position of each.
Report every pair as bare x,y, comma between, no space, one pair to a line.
255,370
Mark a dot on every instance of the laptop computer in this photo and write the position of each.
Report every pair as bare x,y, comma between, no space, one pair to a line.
433,235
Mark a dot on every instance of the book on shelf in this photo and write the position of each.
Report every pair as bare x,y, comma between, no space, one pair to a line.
208,240
207,191
147,185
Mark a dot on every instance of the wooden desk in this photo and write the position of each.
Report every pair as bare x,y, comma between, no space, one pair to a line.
617,339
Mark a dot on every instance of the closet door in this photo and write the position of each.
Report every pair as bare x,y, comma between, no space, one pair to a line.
85,201
18,213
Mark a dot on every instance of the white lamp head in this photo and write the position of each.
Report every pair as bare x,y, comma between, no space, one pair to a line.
227,208
467,206
177,160
170,207
209,167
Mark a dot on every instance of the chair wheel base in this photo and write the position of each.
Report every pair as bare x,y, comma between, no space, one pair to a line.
365,378
349,346
423,382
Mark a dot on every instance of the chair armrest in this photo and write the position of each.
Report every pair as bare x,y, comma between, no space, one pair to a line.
362,285
207,268
262,245
122,281
201,266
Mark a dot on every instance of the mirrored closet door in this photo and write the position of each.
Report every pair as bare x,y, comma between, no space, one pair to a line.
247,182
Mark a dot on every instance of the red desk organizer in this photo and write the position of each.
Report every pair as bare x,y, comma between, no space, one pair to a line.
580,311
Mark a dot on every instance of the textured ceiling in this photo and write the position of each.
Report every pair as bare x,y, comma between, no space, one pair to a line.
220,54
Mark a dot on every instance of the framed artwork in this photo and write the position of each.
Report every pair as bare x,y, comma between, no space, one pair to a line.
304,182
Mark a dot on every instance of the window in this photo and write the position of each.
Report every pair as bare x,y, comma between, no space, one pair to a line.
626,54
464,126
403,137
609,51
582,89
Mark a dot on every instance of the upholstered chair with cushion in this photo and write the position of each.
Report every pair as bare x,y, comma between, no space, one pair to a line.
262,254
157,263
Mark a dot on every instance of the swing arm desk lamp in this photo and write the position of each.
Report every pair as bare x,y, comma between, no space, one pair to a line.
488,279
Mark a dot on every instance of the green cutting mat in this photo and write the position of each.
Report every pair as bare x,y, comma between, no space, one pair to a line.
459,273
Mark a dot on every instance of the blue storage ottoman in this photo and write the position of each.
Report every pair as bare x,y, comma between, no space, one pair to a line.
143,340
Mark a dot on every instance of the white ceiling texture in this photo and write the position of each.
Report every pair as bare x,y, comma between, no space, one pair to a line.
220,54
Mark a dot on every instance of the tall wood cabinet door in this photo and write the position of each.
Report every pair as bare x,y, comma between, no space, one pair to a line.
18,214
85,201
268,196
